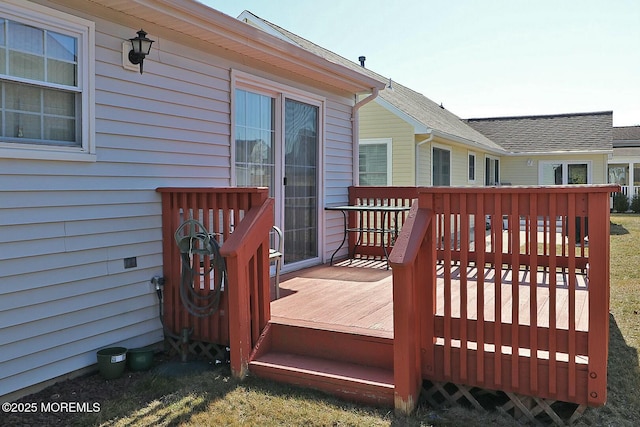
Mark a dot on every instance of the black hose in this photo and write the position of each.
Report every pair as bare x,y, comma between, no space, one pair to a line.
197,304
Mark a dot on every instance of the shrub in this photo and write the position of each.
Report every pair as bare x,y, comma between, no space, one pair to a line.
620,202
635,203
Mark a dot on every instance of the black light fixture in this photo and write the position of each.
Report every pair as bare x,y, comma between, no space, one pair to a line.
141,46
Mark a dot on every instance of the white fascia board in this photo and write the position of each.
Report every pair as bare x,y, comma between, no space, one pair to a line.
468,142
418,127
558,153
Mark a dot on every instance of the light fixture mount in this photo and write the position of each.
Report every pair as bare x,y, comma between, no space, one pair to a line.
140,48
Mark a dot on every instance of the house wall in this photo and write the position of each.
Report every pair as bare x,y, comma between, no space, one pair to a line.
378,122
459,162
516,171
66,227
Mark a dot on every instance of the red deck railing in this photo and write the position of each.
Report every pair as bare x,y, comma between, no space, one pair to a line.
370,243
240,219
518,302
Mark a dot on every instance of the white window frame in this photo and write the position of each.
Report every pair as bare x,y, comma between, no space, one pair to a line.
389,144
565,169
444,148
473,179
281,92
84,31
484,168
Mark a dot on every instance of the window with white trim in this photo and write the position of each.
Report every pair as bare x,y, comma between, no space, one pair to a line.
564,172
44,82
441,166
491,170
375,161
471,166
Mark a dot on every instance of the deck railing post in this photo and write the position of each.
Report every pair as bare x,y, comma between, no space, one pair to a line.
404,259
244,245
598,282
239,317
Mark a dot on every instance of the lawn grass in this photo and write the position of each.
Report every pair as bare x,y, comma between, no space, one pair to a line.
214,398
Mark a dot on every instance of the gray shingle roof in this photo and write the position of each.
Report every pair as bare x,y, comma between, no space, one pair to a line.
412,103
622,134
578,132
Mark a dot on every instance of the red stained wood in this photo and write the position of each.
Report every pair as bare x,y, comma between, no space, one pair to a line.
447,322
556,320
344,296
241,219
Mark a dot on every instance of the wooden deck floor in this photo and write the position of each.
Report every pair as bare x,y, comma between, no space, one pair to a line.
358,296
346,296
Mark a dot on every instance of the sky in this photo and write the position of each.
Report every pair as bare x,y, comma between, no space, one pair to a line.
483,58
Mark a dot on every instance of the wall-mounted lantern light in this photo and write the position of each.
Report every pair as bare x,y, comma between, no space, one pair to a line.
141,46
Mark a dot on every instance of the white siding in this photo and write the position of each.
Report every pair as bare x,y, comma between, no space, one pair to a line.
65,227
338,171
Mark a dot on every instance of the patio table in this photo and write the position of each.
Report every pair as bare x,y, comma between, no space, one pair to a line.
384,228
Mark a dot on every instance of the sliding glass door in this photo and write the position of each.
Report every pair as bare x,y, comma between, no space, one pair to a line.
277,146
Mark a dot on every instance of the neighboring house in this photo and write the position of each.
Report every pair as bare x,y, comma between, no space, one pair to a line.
427,144
86,140
407,139
624,165
557,149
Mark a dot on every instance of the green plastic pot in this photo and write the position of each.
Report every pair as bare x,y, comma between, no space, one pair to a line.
140,359
111,362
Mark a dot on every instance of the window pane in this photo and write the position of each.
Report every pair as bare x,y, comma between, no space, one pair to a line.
3,60
472,167
552,174
25,38
59,103
26,65
441,167
253,110
373,164
577,174
22,98
618,174
23,126
59,129
62,47
3,41
63,73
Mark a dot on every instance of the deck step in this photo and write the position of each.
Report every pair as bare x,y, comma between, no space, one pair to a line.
362,347
351,381
350,363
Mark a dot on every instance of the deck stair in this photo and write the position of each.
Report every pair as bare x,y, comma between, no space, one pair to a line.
343,362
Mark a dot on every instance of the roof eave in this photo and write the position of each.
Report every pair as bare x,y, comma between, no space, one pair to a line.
557,153
211,26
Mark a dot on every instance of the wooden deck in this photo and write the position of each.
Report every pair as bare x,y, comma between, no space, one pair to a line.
358,296
354,296
374,335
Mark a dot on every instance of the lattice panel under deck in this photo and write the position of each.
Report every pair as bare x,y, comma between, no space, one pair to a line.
198,349
519,407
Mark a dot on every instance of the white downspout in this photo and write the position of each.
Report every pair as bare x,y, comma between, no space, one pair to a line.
417,156
356,133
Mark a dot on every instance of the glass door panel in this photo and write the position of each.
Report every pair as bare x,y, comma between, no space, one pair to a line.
301,182
255,140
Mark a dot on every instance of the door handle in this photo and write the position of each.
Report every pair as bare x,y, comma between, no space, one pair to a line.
284,181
